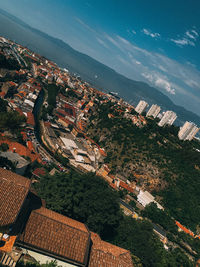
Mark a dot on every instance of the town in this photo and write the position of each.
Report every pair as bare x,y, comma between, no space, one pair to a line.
57,107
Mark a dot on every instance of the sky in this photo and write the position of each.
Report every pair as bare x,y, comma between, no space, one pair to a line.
155,41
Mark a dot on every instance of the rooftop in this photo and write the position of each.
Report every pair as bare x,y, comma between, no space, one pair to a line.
57,235
107,255
13,191
14,157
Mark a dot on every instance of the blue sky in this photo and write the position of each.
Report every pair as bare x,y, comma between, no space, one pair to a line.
153,41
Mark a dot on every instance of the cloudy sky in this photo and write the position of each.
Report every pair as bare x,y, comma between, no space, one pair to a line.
153,41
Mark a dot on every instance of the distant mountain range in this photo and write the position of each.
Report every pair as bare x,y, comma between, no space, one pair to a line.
90,70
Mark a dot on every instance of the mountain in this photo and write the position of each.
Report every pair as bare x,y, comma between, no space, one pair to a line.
96,73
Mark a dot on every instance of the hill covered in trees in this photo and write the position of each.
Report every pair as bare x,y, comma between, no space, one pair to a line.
154,158
89,199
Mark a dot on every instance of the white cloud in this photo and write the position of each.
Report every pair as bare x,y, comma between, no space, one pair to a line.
113,41
84,24
134,32
149,33
159,81
195,32
165,85
190,35
182,42
102,42
179,81
189,38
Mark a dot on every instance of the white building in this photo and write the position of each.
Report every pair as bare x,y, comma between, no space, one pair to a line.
145,198
142,105
153,111
168,118
188,131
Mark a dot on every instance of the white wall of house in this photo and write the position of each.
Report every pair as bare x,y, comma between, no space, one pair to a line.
42,259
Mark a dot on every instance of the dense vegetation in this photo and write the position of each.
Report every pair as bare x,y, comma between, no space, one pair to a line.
3,105
4,162
160,217
9,63
138,237
88,198
83,197
168,167
11,121
52,91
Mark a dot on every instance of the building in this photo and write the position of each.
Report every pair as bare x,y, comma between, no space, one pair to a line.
168,118
142,105
20,163
153,111
187,131
28,228
145,198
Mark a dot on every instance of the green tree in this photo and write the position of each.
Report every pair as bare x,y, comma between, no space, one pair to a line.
160,217
3,105
4,147
12,121
86,198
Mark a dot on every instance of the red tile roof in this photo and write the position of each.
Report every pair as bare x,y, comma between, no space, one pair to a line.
7,247
61,112
104,254
65,120
19,111
57,235
2,94
39,172
20,149
125,186
24,136
30,146
13,191
30,119
187,231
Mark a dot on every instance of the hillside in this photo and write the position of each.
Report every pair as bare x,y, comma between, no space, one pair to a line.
153,157
87,67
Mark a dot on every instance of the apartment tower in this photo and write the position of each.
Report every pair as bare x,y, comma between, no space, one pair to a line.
188,131
168,118
153,111
142,105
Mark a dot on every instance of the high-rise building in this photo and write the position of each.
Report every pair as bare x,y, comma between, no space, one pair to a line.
153,111
142,105
168,118
187,131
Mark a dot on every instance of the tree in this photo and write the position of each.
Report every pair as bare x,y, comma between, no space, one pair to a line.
11,120
6,163
3,105
4,147
160,217
85,197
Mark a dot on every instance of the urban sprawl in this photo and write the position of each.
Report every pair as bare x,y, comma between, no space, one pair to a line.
63,135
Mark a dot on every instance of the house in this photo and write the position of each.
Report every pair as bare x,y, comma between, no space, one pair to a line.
146,198
20,163
27,226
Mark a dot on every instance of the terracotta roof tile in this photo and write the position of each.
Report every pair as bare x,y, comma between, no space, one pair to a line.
39,172
13,191
7,247
30,146
127,187
19,111
20,149
57,235
30,119
107,255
